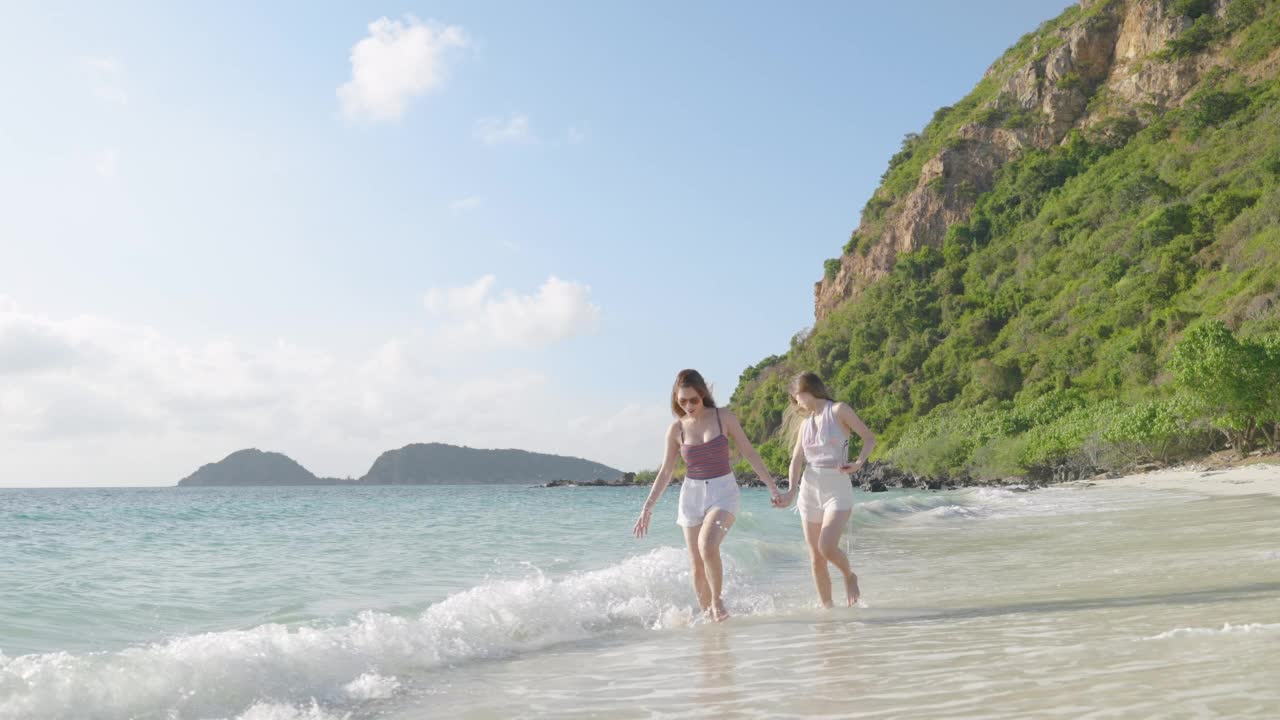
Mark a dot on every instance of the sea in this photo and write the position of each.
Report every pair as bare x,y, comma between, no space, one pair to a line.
399,602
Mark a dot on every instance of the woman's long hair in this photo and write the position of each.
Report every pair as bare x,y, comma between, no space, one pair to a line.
795,415
690,379
810,383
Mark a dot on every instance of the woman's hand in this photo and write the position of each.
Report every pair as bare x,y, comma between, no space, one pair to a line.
776,497
783,501
851,468
642,522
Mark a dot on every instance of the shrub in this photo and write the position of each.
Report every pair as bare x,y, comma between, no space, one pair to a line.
1151,427
831,267
1190,8
1229,382
1211,107
1194,39
1049,444
852,245
1165,224
1240,13
1070,81
910,143
1258,39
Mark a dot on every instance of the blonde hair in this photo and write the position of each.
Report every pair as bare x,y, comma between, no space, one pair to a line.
794,416
810,383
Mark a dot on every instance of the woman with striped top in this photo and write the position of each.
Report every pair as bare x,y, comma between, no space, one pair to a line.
824,488
709,494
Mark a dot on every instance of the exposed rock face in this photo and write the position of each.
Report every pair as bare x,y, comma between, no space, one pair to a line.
1111,49
1146,28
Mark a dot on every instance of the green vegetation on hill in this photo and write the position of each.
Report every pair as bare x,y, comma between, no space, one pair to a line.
254,467
1111,299
438,463
417,464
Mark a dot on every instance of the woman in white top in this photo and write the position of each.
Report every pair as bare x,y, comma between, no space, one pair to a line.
824,488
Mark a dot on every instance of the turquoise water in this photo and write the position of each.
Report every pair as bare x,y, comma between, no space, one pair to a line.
390,602
89,570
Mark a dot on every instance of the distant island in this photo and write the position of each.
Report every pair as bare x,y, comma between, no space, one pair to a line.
416,464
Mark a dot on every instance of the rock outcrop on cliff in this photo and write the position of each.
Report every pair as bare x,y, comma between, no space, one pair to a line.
1106,59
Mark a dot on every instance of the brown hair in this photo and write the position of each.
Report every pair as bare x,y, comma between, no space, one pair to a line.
810,383
690,379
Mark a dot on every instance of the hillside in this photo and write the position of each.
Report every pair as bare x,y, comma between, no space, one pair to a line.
1076,265
418,464
438,463
253,467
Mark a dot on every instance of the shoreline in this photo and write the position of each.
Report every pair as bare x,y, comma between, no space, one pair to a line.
1219,474
1256,478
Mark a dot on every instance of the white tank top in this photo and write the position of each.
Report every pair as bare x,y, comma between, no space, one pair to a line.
825,443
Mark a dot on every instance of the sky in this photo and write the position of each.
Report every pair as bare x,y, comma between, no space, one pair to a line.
334,229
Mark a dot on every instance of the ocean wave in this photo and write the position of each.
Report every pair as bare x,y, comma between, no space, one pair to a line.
1226,629
273,671
896,508
966,504
282,711
983,503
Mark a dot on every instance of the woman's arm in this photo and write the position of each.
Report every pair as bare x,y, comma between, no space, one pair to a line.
739,437
795,473
853,424
660,482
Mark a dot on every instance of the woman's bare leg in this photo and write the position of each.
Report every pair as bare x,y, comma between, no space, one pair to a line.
700,587
821,578
715,526
833,524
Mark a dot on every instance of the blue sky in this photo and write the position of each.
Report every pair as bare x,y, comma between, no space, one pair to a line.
330,230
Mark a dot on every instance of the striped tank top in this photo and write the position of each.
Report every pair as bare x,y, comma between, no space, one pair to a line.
709,459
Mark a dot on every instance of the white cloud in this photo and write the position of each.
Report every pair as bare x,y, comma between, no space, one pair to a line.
87,400
635,432
106,77
467,204
461,299
504,131
107,163
396,62
27,344
473,318
574,136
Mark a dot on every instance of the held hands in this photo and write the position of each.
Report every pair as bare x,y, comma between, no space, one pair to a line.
777,498
781,499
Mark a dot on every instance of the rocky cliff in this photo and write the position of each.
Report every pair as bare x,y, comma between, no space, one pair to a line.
1101,62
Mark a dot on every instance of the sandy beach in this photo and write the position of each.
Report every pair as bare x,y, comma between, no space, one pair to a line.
1254,479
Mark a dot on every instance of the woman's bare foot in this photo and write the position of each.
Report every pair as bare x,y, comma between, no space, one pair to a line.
851,589
718,613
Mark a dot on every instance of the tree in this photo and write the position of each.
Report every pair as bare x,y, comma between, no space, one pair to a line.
1229,382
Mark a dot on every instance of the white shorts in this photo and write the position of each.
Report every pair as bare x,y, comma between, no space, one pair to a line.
823,489
698,497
